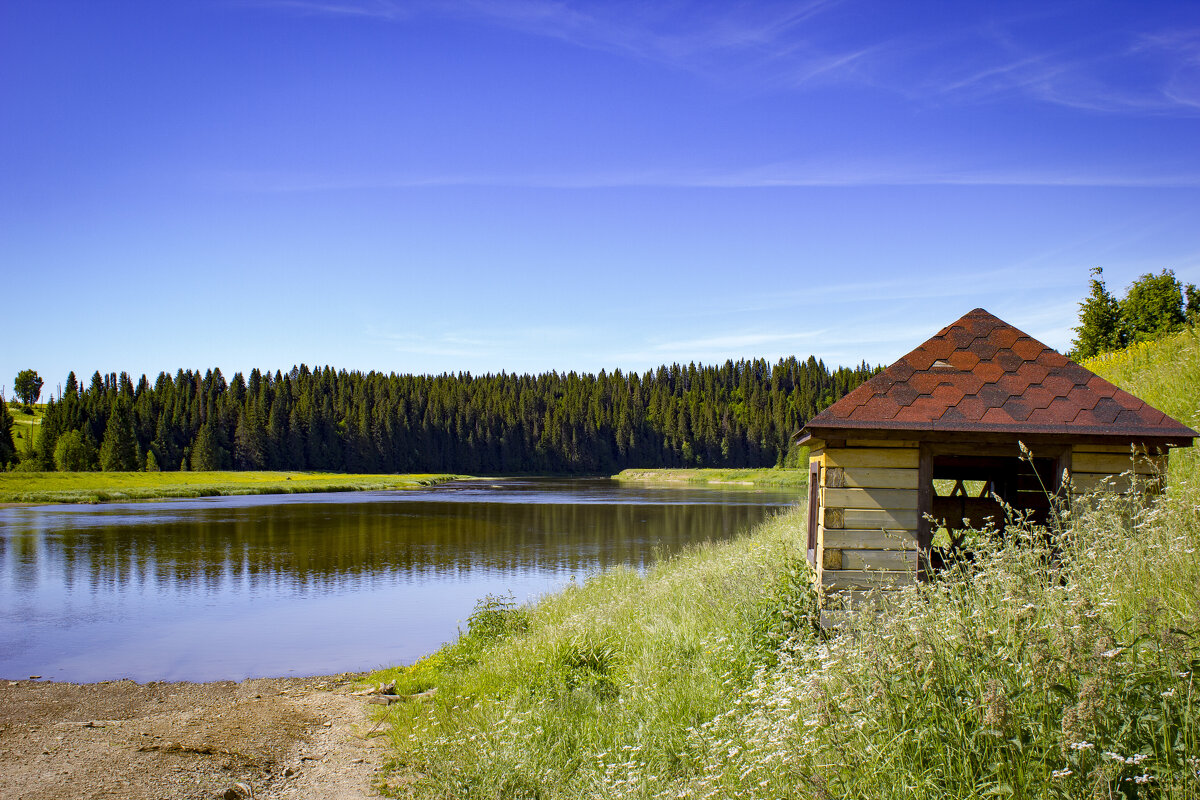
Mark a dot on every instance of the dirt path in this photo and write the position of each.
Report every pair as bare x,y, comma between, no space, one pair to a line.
277,737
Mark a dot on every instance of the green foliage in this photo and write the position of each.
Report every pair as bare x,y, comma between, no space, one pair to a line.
495,617
1100,326
118,450
735,415
1154,306
205,454
28,387
8,449
73,453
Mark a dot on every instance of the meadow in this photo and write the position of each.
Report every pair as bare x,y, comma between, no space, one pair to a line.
26,427
103,487
1050,667
772,476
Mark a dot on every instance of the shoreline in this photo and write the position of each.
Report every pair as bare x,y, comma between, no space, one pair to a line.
18,490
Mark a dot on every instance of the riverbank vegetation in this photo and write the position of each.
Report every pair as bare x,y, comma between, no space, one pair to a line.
103,487
773,476
1060,666
739,414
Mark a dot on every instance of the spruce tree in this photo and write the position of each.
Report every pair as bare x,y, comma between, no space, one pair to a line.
1100,325
8,449
118,450
205,457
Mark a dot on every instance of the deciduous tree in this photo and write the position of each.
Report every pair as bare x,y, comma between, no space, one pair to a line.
28,386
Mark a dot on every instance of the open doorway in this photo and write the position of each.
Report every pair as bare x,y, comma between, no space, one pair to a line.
967,487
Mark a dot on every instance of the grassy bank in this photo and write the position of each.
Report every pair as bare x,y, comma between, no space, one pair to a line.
26,427
1054,668
100,487
749,477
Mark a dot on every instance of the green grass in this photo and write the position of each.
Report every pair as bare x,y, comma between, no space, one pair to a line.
26,426
751,477
100,487
1049,668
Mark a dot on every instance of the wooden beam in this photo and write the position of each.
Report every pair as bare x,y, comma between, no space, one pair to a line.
876,457
890,519
924,507
904,499
878,478
871,540
888,560
834,579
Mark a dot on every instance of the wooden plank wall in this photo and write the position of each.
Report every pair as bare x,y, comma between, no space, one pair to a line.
1105,467
868,520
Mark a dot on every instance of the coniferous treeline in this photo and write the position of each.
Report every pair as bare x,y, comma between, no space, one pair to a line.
740,414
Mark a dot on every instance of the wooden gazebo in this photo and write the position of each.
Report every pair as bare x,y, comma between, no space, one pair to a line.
957,411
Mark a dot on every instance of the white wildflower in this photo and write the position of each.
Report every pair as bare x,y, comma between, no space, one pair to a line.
1061,773
1084,745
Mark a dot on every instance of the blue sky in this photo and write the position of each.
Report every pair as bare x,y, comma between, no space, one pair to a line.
524,185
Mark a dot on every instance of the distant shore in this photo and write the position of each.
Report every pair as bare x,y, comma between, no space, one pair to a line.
772,476
29,488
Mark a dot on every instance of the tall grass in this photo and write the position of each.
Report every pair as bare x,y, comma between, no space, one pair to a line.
598,685
1052,666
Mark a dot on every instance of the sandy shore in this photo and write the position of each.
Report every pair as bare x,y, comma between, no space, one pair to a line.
277,737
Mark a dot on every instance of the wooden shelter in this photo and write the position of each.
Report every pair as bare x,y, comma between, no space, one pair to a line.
941,432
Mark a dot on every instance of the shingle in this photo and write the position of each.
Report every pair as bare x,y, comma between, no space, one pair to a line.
1032,373
963,359
1101,387
1028,349
1083,398
997,416
983,348
1058,385
988,372
1005,337
1008,360
1037,397
960,335
992,396
920,359
904,394
878,408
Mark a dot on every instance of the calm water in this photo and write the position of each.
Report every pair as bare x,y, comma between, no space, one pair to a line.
233,587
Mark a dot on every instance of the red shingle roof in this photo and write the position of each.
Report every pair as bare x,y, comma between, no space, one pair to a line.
982,374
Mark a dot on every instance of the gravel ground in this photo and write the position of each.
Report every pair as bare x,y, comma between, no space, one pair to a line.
277,737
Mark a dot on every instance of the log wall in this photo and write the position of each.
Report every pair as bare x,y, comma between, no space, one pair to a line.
867,534
1096,467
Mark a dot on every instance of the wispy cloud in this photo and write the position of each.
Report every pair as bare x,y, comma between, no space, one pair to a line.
766,41
832,172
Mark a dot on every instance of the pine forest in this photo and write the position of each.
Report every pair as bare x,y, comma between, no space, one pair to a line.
739,414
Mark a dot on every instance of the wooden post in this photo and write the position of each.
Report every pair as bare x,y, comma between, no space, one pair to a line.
924,508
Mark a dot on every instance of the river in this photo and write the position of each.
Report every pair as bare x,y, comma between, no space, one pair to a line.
236,587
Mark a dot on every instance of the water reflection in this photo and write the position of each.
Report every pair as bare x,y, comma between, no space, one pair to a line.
173,590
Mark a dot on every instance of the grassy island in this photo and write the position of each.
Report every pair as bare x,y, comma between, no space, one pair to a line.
102,487
1050,667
